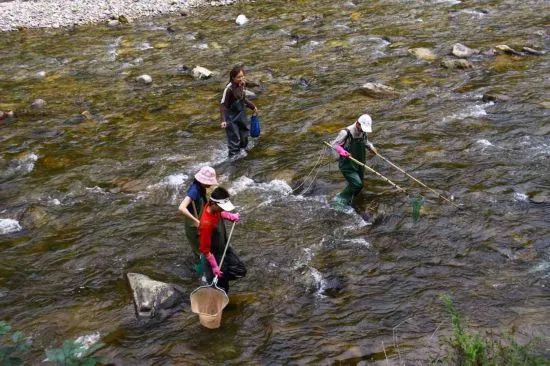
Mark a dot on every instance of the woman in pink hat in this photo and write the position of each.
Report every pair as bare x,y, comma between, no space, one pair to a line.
193,203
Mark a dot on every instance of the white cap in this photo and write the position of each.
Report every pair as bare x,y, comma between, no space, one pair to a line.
366,123
225,204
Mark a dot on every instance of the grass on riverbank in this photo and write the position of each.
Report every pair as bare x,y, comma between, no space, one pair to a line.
471,349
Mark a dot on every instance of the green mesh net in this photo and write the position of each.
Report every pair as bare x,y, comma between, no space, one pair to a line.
416,204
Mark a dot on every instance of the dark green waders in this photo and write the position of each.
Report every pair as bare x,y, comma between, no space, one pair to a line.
192,234
353,172
238,127
219,238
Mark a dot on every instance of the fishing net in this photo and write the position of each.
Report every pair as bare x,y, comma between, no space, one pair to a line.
416,203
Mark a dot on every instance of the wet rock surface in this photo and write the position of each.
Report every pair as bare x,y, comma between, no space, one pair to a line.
154,299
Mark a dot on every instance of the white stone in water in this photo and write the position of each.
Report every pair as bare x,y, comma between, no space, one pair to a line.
200,72
378,90
41,74
38,103
241,19
459,50
423,53
144,79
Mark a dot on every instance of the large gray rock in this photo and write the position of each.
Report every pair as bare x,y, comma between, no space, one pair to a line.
154,299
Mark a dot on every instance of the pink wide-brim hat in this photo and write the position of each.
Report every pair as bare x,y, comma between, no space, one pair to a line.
207,175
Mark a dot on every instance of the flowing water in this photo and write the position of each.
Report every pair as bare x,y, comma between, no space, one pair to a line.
85,200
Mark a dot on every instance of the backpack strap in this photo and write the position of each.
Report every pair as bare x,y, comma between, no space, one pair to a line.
348,136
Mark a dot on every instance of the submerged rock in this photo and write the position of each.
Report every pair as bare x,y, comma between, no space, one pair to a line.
495,97
507,49
377,90
532,51
456,64
459,50
423,54
154,299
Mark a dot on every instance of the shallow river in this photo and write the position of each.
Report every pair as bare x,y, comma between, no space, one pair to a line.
84,200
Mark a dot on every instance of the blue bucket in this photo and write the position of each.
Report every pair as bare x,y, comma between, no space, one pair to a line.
255,128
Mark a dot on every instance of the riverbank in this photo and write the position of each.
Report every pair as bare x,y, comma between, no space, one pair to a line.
63,13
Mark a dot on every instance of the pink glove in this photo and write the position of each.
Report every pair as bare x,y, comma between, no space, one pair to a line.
214,265
233,217
342,152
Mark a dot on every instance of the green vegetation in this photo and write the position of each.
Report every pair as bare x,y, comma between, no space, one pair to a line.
73,353
12,347
474,350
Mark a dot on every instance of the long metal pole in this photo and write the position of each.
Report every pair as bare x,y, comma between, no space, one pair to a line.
416,180
373,171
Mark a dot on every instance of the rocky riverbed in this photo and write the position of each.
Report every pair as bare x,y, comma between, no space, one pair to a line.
63,13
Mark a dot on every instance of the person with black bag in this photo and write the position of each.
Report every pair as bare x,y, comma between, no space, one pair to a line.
213,238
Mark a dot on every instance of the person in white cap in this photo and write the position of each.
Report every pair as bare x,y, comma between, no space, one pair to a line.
193,203
213,238
353,141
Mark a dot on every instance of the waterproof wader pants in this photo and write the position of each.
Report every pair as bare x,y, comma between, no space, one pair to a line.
192,233
219,238
238,127
353,172
237,137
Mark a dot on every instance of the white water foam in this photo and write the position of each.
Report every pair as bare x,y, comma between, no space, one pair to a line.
9,226
172,183
449,2
112,49
144,46
484,142
87,341
359,241
24,165
541,267
96,189
277,186
473,12
475,111
54,202
521,197
320,282
219,155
